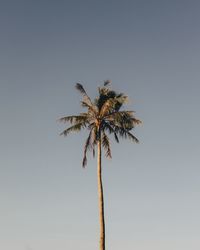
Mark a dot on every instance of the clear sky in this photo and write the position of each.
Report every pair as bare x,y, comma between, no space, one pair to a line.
151,51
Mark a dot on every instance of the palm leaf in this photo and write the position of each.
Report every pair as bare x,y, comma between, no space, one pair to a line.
116,115
107,107
124,133
86,147
89,144
75,128
74,118
136,121
86,98
132,137
109,128
92,108
106,145
104,95
80,88
107,82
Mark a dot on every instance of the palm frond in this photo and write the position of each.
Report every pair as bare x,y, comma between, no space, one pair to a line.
92,108
93,152
107,107
80,88
90,144
119,115
86,98
106,145
107,82
121,100
104,95
86,148
116,138
74,118
75,128
124,119
124,133
106,126
136,121
132,137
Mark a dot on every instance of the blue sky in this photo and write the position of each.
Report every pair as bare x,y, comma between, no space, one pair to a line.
151,51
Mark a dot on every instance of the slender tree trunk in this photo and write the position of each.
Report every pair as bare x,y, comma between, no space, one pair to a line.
101,201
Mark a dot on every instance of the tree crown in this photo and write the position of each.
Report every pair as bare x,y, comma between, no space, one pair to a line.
103,116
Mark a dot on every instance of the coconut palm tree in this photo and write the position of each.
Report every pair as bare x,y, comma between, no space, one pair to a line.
103,116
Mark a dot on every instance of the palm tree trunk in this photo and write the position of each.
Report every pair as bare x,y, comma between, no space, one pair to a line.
101,201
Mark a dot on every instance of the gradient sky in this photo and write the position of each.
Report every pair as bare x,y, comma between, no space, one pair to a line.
151,51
